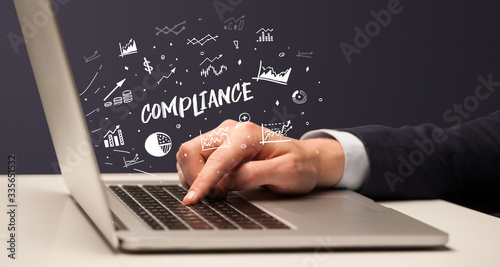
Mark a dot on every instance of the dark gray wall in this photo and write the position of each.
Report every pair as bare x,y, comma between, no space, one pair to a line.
23,129
426,61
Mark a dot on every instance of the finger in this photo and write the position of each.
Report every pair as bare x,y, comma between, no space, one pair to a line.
248,175
195,166
193,154
222,161
181,177
218,191
253,174
190,162
284,174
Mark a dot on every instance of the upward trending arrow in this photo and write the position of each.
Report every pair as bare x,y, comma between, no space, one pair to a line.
112,131
118,84
166,77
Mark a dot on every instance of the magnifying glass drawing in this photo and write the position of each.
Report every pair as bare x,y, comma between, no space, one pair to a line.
244,118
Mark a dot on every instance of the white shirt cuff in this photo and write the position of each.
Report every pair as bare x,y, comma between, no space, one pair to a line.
357,165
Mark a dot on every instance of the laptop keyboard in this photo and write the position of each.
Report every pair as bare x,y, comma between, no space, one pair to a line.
161,207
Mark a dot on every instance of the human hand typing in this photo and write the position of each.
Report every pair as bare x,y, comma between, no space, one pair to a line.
242,162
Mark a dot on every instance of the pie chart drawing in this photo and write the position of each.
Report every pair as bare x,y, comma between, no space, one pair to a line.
299,97
158,144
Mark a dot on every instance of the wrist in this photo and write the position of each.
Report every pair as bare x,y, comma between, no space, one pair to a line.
328,158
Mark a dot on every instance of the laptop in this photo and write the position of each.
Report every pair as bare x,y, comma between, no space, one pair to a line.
135,212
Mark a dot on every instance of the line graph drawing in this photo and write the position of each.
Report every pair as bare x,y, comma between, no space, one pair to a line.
305,54
95,110
203,40
265,35
211,69
88,86
270,75
166,77
216,139
92,57
233,24
276,133
134,161
128,49
166,30
211,60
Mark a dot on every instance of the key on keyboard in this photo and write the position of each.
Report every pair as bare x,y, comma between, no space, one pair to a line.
164,203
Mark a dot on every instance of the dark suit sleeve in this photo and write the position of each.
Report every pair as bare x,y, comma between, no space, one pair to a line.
460,164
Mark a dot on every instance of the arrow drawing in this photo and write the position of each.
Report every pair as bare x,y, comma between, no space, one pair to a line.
166,30
211,60
118,84
233,24
112,131
131,162
166,77
92,57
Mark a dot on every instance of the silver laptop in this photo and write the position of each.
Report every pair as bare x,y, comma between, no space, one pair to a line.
142,215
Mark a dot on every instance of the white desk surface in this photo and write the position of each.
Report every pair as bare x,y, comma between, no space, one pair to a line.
53,232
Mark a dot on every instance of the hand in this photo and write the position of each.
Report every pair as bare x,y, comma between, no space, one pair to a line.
242,162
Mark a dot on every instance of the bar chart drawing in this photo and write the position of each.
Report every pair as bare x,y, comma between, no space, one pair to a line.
233,24
265,35
114,138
